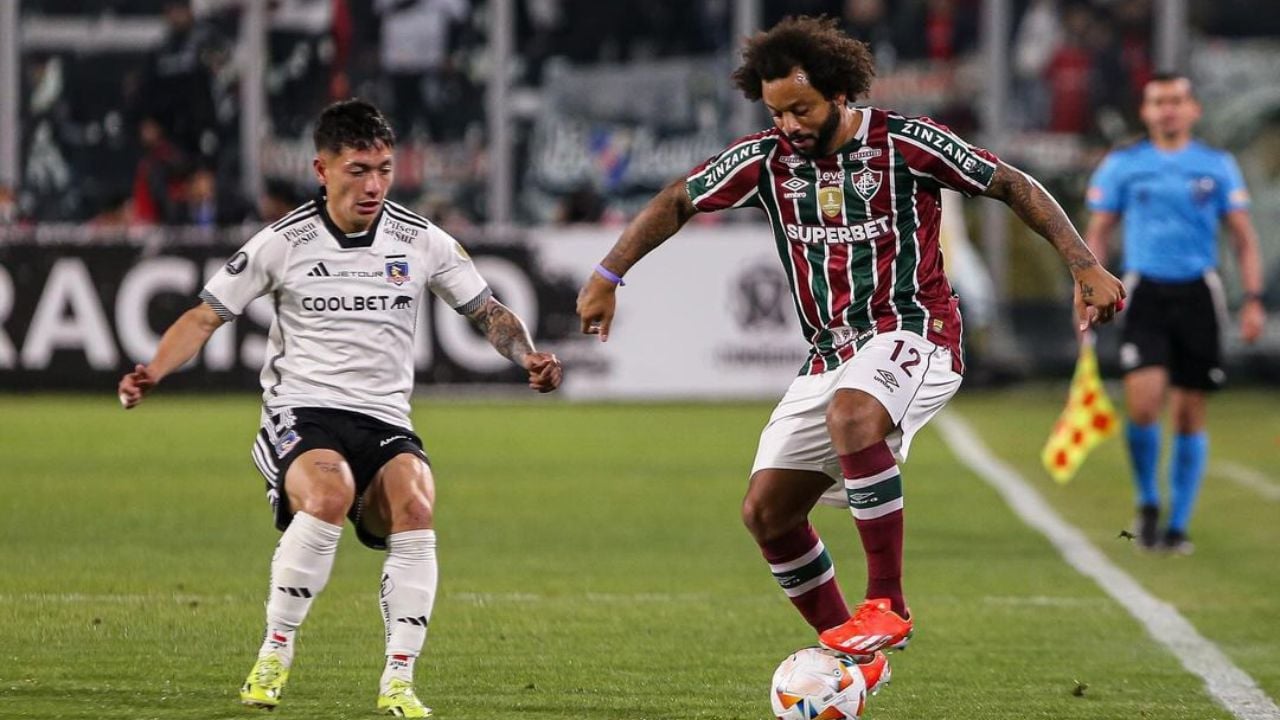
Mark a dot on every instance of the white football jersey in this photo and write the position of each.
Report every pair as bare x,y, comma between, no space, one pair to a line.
346,305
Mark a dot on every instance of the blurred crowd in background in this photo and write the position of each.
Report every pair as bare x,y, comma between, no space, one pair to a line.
613,98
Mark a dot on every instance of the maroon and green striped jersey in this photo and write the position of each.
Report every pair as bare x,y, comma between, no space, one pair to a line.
857,230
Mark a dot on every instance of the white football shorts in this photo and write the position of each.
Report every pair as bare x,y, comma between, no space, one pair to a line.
910,376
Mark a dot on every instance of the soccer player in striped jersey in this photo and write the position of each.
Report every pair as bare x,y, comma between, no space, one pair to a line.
348,273
852,196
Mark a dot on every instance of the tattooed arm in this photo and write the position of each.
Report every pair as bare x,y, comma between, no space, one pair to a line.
1037,208
660,219
508,335
505,331
1098,294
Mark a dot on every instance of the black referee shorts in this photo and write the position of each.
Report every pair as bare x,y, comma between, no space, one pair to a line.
1175,325
365,442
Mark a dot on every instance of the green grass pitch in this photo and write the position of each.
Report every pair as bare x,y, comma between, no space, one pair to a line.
594,566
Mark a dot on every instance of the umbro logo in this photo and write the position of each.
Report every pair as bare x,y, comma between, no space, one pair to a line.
886,378
796,188
319,271
861,498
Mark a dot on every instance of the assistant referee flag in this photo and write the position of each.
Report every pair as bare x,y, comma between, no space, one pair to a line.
1088,419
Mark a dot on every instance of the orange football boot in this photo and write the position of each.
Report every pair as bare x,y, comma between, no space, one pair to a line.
876,672
873,627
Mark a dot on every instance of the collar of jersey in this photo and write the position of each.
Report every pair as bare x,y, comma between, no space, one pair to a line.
357,240
859,138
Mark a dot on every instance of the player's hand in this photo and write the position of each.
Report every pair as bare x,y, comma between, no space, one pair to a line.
545,371
596,302
134,385
1253,318
1099,295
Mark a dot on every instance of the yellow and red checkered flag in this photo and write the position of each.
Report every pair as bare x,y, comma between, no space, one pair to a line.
1088,419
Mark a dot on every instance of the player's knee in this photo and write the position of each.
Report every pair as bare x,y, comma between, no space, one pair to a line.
1187,422
765,522
856,423
329,503
1144,413
413,512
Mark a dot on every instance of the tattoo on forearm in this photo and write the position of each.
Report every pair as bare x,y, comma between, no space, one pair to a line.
503,328
1037,208
659,220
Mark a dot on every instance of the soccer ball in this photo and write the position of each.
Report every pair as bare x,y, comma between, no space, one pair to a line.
818,684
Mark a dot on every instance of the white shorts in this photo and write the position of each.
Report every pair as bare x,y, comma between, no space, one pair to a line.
910,376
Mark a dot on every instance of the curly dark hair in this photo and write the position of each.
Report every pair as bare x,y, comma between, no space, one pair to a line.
835,62
352,123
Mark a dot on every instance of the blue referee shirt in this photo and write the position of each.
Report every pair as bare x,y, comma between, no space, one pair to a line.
1172,203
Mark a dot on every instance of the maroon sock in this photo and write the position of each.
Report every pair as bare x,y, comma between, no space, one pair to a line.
874,485
803,569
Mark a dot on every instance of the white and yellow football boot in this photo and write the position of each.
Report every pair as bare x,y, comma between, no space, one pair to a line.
265,683
398,699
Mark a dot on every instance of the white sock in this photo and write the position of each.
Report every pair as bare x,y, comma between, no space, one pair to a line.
408,593
299,571
399,667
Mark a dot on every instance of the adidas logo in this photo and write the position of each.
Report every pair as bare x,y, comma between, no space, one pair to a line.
319,271
420,621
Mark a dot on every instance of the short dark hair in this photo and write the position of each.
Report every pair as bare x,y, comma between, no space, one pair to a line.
835,62
1165,77
352,123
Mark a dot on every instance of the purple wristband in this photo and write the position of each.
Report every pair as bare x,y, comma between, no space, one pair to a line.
605,273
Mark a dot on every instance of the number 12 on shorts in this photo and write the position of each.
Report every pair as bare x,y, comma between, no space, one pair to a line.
910,362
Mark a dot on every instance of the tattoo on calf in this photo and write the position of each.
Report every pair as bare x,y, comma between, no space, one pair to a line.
328,467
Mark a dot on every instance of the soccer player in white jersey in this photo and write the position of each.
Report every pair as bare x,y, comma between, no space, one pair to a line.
347,273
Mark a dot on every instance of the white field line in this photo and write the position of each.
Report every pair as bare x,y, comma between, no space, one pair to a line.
1230,686
115,598
1247,477
497,598
1045,601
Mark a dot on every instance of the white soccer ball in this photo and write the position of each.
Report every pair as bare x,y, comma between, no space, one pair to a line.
818,684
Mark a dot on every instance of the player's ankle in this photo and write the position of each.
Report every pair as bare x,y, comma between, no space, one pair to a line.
398,667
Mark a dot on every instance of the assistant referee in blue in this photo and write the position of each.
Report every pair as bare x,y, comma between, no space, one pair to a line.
1173,192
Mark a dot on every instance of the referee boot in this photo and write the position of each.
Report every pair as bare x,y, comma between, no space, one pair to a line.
1176,542
1146,526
